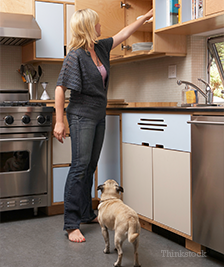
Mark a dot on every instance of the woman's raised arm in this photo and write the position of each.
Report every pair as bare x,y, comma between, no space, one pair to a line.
130,29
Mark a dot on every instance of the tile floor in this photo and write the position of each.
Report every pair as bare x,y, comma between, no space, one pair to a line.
39,241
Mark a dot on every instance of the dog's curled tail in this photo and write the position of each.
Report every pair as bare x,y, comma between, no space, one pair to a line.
132,231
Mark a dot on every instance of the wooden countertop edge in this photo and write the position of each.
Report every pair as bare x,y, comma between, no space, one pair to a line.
171,107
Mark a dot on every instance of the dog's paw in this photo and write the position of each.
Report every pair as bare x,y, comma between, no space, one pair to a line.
106,251
117,264
137,265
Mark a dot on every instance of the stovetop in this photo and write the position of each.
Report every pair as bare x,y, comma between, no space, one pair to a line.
21,104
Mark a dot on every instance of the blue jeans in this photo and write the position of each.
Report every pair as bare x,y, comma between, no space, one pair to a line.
87,137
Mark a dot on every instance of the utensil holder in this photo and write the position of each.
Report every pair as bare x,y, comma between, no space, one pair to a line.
32,87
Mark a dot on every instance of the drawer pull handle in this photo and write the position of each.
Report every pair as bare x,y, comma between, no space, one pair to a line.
152,129
159,120
151,124
159,146
145,144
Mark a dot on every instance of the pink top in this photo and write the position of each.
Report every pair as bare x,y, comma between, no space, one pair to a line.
103,72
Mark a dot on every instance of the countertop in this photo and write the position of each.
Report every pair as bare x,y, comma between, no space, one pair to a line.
171,107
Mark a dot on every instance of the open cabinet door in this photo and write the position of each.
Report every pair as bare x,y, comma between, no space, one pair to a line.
111,17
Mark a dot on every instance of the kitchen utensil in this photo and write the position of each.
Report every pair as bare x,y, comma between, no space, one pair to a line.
32,87
24,80
39,72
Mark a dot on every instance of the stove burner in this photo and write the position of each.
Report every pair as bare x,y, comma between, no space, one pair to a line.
21,103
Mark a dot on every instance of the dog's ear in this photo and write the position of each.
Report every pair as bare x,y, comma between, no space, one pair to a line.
100,187
119,189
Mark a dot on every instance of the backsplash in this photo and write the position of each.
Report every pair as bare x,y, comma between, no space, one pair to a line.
143,81
148,81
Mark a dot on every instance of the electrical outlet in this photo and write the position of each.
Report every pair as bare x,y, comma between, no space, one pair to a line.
172,71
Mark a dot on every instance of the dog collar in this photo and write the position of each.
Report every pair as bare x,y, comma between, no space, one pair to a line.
108,199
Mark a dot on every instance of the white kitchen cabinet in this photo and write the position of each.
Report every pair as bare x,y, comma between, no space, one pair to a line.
50,17
172,189
59,179
170,131
62,152
137,178
109,161
69,12
54,21
157,181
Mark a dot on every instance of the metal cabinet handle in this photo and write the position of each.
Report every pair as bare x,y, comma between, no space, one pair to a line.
128,47
24,139
127,6
206,122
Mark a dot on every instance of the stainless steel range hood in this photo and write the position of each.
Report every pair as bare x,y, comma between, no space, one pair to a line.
18,29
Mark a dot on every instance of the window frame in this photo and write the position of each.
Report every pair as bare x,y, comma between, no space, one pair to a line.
213,54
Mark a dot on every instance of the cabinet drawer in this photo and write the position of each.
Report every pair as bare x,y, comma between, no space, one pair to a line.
59,179
169,130
62,152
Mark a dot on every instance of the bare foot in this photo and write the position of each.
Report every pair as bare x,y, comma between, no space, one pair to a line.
75,236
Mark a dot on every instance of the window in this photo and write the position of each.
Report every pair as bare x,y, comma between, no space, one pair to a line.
216,66
14,161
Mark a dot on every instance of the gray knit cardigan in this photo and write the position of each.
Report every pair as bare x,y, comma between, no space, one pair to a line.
79,73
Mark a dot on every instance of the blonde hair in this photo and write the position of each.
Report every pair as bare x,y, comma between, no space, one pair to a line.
83,31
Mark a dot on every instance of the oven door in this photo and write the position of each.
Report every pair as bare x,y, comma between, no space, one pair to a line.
23,164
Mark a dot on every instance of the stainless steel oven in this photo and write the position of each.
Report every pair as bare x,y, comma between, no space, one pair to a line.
25,155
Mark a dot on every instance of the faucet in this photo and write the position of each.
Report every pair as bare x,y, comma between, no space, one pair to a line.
208,91
196,87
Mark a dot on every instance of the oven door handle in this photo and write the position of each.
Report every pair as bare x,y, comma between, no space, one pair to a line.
24,139
206,122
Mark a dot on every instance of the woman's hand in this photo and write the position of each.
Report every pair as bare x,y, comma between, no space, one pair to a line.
149,14
59,131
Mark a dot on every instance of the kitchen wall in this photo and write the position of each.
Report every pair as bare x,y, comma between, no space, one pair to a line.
147,81
144,81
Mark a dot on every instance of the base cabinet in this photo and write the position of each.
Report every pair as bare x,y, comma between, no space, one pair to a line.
109,161
59,179
172,189
137,178
156,151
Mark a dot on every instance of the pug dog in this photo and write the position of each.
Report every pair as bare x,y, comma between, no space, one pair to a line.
113,214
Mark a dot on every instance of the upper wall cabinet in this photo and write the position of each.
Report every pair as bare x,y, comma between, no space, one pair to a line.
53,19
51,44
188,18
111,17
17,6
214,6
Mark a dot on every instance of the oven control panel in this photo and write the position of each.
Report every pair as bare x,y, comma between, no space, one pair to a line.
10,118
26,119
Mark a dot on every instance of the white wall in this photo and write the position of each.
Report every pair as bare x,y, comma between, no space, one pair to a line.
144,81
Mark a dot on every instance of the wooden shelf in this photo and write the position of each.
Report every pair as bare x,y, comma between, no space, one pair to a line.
195,26
140,56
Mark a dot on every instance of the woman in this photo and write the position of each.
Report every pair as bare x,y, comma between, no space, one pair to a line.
85,72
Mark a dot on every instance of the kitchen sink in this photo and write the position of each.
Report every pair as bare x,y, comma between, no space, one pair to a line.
199,105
